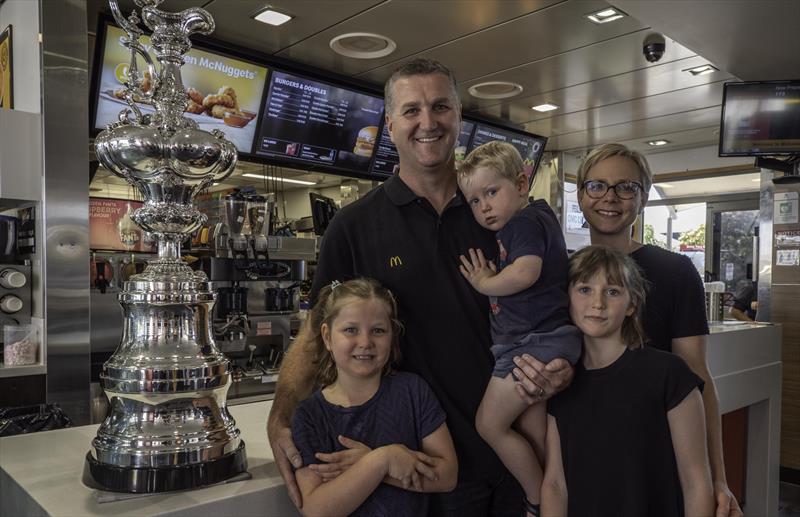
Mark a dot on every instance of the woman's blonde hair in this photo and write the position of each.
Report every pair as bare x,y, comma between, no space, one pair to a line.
600,153
621,270
329,304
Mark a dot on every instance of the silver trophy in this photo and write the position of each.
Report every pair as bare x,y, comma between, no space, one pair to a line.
168,427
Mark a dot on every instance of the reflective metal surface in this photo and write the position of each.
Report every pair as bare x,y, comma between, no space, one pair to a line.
167,381
65,234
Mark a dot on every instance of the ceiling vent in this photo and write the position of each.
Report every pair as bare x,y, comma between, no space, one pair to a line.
495,90
363,45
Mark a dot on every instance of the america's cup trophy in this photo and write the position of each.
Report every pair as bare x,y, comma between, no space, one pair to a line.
168,427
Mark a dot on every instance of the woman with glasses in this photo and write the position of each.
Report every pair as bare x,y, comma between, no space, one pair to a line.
614,182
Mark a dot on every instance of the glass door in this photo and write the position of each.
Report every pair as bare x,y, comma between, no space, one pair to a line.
733,241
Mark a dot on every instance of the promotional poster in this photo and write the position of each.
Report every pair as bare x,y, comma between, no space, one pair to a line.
224,93
111,227
6,79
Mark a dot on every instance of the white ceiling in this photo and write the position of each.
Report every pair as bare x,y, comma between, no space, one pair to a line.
597,74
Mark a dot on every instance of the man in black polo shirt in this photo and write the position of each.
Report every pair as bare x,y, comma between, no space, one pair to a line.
408,234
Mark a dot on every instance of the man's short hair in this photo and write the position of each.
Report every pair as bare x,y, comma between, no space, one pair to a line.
418,66
501,157
600,153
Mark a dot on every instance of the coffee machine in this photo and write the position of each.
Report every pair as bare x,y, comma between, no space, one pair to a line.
257,278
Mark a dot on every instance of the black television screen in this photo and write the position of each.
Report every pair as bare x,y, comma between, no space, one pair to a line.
322,211
760,118
386,161
226,92
530,146
318,123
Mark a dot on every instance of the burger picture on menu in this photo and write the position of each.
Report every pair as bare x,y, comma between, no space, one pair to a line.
365,141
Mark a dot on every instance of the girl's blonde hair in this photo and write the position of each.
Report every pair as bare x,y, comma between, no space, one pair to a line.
329,304
621,270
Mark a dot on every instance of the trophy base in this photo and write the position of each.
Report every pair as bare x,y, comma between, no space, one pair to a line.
150,480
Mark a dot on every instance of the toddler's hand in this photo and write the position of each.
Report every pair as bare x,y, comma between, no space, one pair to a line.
476,269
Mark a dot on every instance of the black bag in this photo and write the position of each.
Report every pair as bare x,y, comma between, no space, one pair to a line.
30,419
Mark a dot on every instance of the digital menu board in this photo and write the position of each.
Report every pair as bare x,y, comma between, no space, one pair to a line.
760,118
314,122
387,162
224,93
530,146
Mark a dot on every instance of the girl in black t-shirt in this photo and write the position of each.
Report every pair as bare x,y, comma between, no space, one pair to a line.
627,438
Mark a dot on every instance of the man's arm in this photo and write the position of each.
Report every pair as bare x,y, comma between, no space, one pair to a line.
295,383
483,276
692,349
739,315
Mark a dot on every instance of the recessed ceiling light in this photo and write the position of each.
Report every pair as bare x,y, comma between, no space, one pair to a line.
756,180
663,185
658,143
273,178
363,45
605,15
702,70
545,107
495,90
270,16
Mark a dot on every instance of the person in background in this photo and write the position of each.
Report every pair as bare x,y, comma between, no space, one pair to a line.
408,234
529,303
392,417
627,439
745,305
613,183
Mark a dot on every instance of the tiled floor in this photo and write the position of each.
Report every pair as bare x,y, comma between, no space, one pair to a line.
788,500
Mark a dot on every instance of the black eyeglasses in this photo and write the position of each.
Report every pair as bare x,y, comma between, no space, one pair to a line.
624,189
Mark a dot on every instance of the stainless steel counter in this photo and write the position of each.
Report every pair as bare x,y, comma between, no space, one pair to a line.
745,362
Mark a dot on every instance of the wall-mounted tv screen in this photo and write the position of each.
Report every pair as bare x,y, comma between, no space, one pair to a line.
760,118
386,160
317,123
225,93
530,146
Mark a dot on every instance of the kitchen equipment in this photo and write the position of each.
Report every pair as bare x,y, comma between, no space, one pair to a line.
715,307
8,238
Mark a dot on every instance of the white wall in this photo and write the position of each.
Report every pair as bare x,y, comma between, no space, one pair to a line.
23,16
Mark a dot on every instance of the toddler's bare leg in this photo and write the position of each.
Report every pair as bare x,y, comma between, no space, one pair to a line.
500,408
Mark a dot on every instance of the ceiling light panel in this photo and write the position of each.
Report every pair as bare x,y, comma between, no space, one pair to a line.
605,15
658,143
545,107
272,17
702,70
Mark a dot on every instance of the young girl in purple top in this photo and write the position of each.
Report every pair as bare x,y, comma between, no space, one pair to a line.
391,422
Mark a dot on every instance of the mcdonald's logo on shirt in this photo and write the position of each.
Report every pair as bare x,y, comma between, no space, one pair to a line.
395,261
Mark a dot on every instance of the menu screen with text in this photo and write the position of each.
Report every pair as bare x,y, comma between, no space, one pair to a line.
314,122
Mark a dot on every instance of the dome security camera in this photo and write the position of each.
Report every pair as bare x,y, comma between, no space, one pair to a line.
653,47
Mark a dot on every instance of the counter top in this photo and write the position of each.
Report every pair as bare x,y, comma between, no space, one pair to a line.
40,474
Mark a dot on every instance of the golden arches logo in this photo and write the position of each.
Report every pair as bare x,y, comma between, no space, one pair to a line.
395,261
